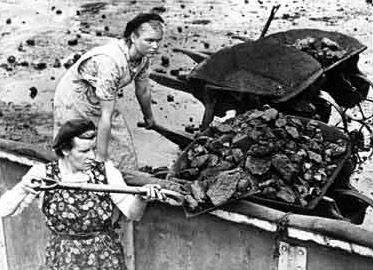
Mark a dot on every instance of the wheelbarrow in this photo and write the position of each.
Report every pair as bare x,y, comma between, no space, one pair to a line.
247,76
268,71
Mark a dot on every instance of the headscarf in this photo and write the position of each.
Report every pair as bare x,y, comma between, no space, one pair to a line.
139,20
73,128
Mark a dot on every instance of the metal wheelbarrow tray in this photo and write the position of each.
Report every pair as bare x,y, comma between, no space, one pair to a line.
329,134
348,44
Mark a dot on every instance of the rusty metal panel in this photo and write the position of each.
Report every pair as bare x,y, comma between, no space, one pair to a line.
292,257
165,239
25,234
3,257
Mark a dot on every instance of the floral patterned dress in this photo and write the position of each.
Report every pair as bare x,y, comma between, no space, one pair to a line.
101,74
82,235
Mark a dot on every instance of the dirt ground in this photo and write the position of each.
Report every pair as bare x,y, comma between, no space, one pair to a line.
39,37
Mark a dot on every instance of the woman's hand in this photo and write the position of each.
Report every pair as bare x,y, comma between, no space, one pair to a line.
153,192
149,122
30,184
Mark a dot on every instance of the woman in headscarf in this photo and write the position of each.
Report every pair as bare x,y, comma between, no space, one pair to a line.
91,87
82,234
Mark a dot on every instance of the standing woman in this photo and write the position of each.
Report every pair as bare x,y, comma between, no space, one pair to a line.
82,236
91,87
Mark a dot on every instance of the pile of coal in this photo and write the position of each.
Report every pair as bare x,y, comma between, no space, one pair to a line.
324,50
278,157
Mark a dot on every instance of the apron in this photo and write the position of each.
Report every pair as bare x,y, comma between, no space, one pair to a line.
82,237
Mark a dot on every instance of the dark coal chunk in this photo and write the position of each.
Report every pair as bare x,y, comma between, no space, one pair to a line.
24,64
170,98
284,166
286,194
57,63
93,8
201,21
11,59
224,186
223,128
6,67
72,42
33,92
190,173
190,129
175,72
158,9
165,61
247,182
199,161
258,166
30,42
68,63
40,66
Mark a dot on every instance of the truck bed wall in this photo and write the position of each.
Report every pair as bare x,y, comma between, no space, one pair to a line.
165,239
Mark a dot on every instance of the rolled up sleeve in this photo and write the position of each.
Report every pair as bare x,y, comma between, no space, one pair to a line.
132,206
16,199
103,74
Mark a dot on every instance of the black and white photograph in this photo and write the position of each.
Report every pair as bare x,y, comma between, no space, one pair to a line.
186,135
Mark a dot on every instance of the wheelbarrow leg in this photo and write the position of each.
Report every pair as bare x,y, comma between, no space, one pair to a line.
352,204
168,81
209,102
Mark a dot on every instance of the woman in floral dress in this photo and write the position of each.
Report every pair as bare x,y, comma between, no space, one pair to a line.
82,235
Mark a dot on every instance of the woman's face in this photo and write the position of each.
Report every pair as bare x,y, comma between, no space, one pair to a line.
147,39
82,154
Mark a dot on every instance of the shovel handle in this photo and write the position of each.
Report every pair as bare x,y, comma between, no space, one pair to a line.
50,184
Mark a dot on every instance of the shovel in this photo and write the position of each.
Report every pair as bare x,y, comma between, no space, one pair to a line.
50,184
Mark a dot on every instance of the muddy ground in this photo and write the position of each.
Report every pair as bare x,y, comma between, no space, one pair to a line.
38,38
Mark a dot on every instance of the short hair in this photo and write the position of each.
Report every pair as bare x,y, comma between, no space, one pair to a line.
71,129
135,23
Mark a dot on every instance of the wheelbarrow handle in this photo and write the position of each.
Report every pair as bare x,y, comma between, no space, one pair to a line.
269,20
141,125
50,184
180,139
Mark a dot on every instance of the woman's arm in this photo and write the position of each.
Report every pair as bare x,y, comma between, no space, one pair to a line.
22,194
103,75
132,206
104,129
143,95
